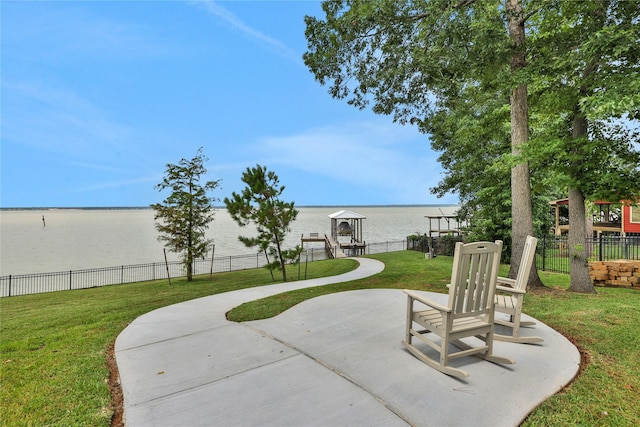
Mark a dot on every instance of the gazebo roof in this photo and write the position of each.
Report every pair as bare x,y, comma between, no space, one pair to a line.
344,214
436,212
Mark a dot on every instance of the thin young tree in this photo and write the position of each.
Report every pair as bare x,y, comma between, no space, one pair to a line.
184,216
259,203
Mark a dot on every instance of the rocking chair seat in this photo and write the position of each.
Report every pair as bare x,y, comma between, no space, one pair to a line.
437,321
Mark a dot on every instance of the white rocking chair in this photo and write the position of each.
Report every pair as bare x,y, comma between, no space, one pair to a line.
510,295
469,312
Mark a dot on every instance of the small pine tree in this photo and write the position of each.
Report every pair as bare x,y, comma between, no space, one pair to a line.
186,213
260,203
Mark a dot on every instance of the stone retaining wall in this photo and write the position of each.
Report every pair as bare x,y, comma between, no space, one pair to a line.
615,273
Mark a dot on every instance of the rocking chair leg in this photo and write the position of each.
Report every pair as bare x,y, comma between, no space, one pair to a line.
454,372
488,355
518,339
497,359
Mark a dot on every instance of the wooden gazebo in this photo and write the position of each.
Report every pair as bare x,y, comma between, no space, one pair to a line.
346,231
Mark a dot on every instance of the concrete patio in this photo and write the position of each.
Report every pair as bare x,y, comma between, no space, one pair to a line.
332,360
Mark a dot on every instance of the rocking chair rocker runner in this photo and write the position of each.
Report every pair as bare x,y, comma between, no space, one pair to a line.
510,295
468,313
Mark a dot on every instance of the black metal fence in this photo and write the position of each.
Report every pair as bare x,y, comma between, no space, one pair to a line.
554,252
553,255
23,284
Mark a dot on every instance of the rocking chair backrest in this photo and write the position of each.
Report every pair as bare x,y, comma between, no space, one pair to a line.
528,256
473,278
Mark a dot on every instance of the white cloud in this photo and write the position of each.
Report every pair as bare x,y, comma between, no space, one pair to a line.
67,34
383,156
57,120
228,17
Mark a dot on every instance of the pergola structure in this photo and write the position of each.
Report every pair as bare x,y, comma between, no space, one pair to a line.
450,221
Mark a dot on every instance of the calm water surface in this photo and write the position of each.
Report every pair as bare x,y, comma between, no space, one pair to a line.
73,239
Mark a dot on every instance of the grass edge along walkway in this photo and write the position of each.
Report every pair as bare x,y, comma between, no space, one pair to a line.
53,349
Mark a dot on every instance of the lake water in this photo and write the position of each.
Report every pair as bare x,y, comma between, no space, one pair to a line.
74,239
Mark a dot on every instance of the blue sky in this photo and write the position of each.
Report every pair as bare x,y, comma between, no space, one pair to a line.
97,97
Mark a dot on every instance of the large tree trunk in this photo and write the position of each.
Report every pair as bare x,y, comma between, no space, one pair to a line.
521,208
580,280
578,266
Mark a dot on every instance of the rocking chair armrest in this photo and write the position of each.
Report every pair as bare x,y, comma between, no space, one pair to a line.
506,281
426,301
510,290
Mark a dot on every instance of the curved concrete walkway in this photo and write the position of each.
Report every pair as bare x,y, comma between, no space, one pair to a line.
332,360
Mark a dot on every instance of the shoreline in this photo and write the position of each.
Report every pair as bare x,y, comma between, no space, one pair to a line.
97,208
76,239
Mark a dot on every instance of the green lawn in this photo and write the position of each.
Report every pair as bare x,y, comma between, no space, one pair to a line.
53,346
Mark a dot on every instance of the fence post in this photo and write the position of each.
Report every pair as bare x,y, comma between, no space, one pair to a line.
9,285
544,252
625,242
70,273
600,247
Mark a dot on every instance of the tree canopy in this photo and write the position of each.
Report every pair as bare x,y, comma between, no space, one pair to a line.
585,74
443,66
519,85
